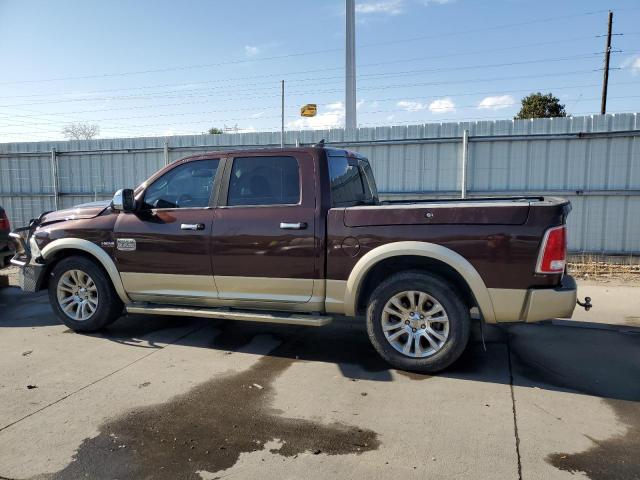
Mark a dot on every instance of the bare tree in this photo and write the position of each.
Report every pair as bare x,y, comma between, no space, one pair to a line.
81,131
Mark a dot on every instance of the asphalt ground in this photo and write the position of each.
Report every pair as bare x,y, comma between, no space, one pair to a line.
160,397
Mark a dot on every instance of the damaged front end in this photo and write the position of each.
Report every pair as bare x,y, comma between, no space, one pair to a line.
27,256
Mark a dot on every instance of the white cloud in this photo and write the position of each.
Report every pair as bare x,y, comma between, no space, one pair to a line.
360,104
386,7
411,106
249,129
257,115
251,50
442,105
632,63
438,2
331,117
496,103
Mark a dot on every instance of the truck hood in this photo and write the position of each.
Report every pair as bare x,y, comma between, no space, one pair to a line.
83,211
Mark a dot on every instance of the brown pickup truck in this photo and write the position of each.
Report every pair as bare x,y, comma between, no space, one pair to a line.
299,236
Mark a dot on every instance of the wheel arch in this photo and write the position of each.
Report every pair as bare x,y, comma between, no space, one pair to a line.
443,261
64,247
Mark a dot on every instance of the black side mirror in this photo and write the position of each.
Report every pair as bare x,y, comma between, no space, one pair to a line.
124,201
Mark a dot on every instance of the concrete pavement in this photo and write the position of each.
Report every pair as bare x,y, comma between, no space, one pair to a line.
187,398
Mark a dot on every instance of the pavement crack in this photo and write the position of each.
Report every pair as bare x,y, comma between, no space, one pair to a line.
84,387
513,408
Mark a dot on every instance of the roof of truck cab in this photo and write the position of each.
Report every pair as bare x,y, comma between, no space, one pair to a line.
330,151
251,151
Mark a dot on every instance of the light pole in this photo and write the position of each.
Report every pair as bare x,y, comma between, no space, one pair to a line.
350,66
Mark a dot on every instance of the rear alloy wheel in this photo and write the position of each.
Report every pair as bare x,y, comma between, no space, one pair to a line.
82,295
417,321
415,324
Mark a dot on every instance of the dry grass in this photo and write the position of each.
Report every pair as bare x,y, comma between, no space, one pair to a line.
604,266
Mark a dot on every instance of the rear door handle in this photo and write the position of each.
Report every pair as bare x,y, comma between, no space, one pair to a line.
293,226
192,226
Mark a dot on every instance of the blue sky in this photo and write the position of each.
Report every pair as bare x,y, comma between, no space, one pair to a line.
167,67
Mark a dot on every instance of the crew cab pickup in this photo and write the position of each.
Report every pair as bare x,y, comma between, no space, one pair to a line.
299,236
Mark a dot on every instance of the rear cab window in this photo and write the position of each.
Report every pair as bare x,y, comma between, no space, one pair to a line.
351,179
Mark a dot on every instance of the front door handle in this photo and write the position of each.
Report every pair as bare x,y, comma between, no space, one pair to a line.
293,226
192,226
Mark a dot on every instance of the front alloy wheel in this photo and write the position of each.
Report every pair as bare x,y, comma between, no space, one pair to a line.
77,295
82,295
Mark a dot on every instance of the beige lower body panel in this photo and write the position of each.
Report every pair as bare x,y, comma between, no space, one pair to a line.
532,305
335,295
260,293
148,286
268,289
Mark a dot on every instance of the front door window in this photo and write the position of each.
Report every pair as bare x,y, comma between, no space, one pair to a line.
186,186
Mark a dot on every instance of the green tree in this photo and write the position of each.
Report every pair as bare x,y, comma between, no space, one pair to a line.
538,105
214,131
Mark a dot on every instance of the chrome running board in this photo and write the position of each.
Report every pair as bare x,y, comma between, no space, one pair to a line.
308,320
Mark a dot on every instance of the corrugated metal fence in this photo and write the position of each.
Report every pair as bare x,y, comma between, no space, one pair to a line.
594,161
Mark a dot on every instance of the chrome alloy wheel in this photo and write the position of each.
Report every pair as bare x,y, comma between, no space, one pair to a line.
77,295
415,324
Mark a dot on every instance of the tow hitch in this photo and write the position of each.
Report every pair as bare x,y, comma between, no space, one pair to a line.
587,303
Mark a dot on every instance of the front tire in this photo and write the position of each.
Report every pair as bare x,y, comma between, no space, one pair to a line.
82,295
418,322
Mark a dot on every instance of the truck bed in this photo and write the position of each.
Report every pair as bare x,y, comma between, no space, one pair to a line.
469,211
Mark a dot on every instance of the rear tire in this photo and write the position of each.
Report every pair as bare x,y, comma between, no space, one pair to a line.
418,322
82,295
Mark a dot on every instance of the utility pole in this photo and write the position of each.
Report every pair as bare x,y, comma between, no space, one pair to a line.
350,66
607,55
282,125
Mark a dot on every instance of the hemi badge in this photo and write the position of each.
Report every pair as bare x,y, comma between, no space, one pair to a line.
126,244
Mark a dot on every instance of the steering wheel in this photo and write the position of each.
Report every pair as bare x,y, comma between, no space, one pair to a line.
184,198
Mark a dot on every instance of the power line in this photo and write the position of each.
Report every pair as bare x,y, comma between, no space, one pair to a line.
167,94
457,94
312,52
97,120
310,79
209,121
370,100
286,74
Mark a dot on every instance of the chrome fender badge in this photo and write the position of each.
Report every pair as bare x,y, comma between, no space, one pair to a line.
126,244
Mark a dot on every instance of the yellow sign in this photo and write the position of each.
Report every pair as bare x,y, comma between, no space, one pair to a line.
309,110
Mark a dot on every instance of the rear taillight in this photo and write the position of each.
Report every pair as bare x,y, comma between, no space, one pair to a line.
4,221
553,253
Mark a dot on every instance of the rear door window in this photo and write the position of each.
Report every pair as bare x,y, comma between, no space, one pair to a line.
264,181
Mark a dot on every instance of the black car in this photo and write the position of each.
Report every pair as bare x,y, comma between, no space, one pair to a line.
5,247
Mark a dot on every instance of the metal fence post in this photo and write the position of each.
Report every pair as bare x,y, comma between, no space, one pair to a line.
465,159
54,178
166,152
